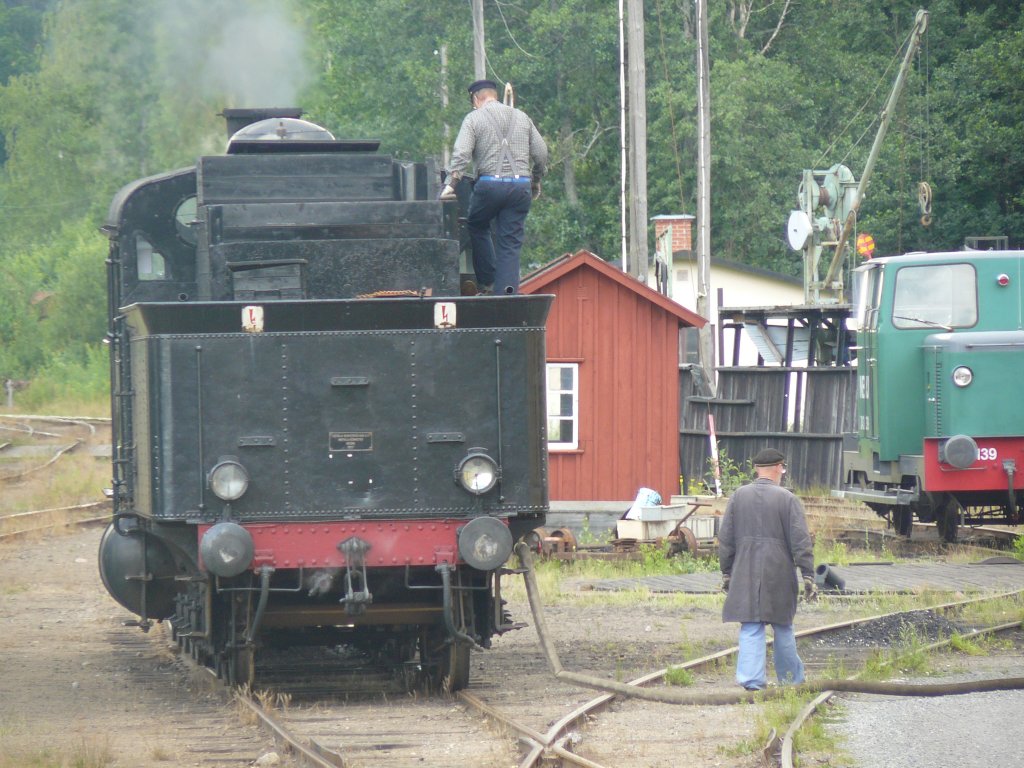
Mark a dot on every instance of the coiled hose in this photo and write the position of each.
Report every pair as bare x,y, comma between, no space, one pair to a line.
673,696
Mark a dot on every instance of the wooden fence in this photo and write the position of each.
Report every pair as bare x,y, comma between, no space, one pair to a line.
802,412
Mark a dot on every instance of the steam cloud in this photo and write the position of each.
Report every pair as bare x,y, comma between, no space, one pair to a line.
244,53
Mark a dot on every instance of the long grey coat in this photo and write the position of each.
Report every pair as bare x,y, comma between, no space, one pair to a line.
762,540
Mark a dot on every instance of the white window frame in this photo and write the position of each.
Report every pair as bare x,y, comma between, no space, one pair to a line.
554,403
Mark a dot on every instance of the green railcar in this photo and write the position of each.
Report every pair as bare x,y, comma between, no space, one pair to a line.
940,354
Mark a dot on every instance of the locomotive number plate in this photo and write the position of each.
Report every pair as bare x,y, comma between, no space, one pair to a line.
350,441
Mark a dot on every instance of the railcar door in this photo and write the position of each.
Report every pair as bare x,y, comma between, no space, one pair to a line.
867,352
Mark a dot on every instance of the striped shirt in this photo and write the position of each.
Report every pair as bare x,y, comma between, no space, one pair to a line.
479,141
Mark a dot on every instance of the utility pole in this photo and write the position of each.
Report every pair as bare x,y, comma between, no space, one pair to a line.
479,54
623,161
637,141
446,152
707,341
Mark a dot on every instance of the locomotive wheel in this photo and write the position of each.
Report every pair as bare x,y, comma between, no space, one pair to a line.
445,663
455,667
241,666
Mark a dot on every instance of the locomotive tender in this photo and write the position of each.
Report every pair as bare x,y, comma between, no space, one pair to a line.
317,439
940,352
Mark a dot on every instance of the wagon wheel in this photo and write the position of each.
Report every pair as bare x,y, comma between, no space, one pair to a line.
535,539
566,536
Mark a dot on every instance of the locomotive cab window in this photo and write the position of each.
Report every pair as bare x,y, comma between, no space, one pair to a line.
149,262
868,292
563,406
940,296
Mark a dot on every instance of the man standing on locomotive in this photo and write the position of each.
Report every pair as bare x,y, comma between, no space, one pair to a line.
762,541
510,158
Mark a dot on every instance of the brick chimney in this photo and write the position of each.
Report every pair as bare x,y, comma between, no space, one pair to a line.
682,230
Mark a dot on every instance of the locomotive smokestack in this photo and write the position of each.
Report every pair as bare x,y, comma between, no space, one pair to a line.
237,119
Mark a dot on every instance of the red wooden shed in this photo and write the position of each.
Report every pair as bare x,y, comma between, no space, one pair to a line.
613,381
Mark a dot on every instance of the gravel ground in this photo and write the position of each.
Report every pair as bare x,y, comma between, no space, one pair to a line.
979,730
73,680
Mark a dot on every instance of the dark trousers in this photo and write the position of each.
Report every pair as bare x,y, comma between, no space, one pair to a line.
496,262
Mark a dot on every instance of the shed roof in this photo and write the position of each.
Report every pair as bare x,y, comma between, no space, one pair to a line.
739,266
539,279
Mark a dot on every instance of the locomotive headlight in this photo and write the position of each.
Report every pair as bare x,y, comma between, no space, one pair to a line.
228,480
485,543
477,473
962,376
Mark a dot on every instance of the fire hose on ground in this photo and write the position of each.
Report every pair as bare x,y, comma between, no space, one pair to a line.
669,696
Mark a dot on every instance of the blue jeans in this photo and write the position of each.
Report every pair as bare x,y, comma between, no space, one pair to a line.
496,262
751,662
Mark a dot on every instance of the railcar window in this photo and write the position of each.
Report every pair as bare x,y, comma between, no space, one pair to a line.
563,406
943,296
148,261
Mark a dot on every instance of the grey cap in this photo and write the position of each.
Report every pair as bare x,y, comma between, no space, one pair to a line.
769,457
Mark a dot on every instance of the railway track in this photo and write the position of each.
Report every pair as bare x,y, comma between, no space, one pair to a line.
533,723
38,521
515,713
51,462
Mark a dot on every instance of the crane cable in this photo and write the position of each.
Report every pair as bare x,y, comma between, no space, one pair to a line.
924,189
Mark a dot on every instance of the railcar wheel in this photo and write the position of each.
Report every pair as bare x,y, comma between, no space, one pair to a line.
903,520
947,520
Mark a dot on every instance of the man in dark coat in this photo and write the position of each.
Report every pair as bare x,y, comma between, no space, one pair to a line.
762,541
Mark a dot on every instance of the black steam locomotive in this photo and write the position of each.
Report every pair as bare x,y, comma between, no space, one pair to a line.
317,439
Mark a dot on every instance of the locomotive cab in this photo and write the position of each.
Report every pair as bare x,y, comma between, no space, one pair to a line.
939,336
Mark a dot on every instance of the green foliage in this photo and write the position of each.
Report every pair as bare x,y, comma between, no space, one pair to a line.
831,552
733,474
908,656
678,676
1018,547
74,383
966,645
97,93
656,561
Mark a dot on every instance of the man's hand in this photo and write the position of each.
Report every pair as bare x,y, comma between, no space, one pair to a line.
448,193
725,583
535,189
810,589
